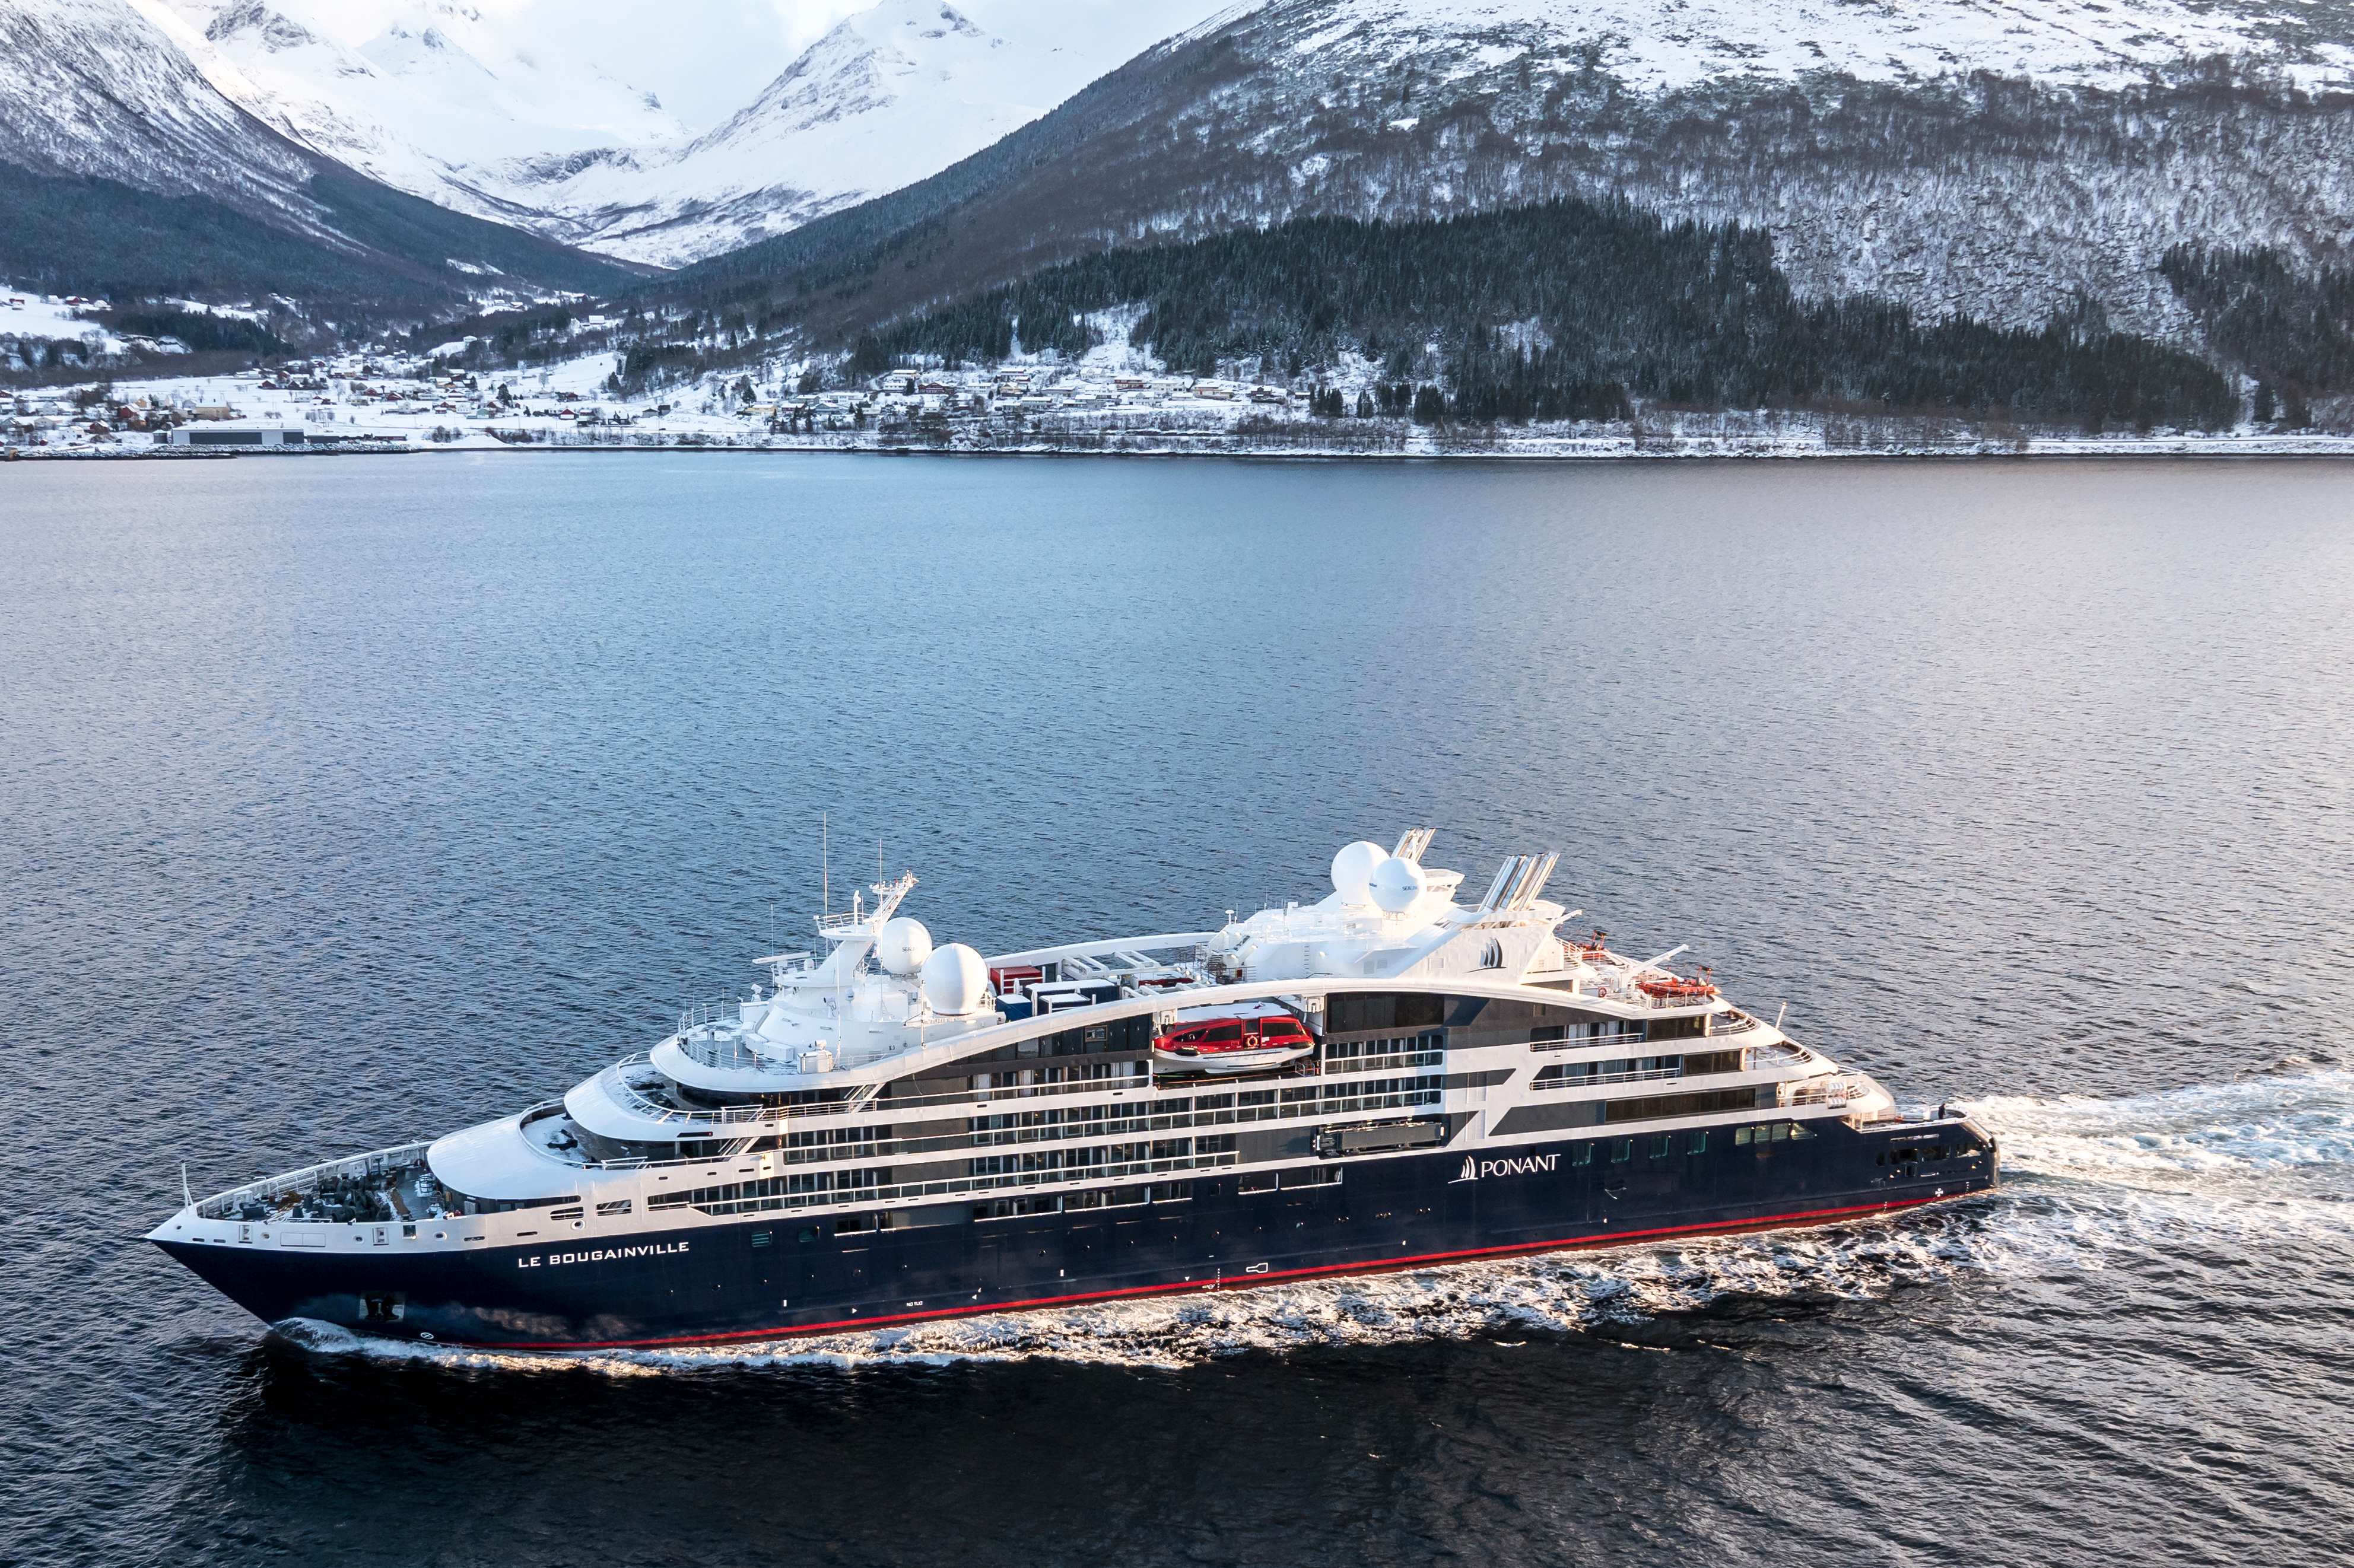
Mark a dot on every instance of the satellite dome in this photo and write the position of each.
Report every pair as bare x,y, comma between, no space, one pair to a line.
903,944
955,980
1395,883
1352,867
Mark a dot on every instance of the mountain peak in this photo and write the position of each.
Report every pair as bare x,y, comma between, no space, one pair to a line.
882,99
532,112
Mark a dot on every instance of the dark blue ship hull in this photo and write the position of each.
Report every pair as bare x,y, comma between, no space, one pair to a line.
786,1273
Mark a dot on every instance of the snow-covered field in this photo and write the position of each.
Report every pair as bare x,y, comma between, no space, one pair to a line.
36,315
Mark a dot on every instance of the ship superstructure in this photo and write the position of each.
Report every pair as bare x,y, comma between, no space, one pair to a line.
889,1132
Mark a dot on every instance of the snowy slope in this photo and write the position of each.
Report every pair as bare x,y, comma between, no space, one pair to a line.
405,90
884,99
1996,156
1652,46
98,88
1903,174
89,87
551,114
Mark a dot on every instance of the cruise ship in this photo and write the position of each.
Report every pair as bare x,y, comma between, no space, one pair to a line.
887,1132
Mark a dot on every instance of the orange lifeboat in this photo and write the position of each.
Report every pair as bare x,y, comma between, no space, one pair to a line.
1673,987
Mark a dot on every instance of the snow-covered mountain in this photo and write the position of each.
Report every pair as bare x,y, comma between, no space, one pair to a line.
405,90
2000,156
884,99
549,114
89,87
101,89
1994,155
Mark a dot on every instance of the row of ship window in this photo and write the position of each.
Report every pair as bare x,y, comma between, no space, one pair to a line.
1100,1154
1634,1069
1056,1123
1094,1198
1137,1196
777,1191
1561,1035
1660,1146
1415,1050
1208,1110
795,1190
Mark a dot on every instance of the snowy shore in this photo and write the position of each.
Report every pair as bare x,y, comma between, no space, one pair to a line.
1413,445
388,403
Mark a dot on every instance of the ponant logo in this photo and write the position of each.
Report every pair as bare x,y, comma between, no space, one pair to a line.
1474,1168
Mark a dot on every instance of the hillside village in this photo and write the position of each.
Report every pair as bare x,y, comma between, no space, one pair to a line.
364,400
363,404
1113,399
389,400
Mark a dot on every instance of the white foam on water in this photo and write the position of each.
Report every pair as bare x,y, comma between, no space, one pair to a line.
2085,1179
2257,1125
1561,1293
2089,1180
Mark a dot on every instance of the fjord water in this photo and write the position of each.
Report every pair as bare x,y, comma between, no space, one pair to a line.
351,801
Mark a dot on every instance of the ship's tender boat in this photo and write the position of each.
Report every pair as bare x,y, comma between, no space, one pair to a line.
1266,1036
892,1132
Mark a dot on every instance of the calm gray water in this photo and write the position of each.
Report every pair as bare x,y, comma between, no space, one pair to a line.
343,801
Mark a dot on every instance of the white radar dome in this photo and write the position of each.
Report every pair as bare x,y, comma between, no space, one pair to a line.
903,944
1395,883
1352,867
955,981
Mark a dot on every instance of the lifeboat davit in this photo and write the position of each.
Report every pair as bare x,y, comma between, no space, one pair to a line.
1233,1044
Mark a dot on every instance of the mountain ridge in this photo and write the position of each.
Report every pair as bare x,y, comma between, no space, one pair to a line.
1929,178
884,96
98,111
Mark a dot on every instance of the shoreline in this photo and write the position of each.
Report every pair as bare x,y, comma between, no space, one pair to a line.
1543,451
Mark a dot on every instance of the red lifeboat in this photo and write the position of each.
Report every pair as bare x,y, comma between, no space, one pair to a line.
1233,1044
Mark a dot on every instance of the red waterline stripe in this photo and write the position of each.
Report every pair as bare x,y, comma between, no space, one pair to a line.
1240,1282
